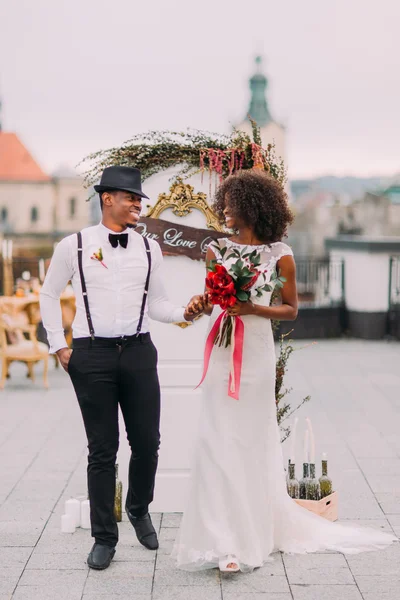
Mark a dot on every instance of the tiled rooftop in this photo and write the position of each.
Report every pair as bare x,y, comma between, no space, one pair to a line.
16,162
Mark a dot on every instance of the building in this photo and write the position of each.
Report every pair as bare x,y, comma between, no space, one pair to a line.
328,206
36,208
378,212
271,131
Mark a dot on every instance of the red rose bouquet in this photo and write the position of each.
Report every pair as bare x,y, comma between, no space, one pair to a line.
240,281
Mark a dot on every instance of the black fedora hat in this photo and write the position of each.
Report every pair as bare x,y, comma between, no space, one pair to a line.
126,179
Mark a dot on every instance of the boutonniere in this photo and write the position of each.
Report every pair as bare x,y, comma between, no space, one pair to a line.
99,257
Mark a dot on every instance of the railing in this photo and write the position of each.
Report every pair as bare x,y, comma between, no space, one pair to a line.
394,281
320,282
393,328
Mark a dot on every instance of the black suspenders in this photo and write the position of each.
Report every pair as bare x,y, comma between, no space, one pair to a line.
84,290
146,286
83,285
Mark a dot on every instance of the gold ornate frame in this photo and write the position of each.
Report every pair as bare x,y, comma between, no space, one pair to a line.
182,200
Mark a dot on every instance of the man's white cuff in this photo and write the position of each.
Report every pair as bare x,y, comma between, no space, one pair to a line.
57,342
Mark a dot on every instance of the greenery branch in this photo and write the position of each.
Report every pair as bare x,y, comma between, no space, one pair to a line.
284,409
192,151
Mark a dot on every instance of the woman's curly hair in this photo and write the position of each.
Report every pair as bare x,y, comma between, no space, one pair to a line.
258,200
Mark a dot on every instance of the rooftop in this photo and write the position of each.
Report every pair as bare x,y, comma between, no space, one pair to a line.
355,411
16,162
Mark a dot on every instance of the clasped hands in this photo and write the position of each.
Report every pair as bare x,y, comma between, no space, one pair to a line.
201,304
197,305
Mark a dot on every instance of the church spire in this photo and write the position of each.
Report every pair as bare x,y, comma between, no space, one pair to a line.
258,109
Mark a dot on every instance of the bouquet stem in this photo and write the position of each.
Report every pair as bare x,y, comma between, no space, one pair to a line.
224,334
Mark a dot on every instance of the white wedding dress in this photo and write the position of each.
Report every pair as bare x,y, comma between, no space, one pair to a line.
238,503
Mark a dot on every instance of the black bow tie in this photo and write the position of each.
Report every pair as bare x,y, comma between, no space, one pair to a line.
122,238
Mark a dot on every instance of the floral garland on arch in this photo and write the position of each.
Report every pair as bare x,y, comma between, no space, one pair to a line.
193,151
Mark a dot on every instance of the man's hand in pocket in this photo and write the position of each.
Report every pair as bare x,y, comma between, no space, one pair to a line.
64,355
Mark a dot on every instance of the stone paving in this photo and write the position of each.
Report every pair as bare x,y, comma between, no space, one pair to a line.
355,409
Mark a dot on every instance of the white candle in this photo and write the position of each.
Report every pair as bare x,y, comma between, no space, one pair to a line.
324,456
67,524
293,447
73,508
85,514
9,249
306,459
4,249
312,441
41,270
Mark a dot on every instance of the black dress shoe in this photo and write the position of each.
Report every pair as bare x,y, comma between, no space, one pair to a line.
100,557
145,532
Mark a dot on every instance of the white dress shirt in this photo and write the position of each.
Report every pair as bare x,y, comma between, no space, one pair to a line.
115,291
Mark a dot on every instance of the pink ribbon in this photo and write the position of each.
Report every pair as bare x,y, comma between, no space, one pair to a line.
235,370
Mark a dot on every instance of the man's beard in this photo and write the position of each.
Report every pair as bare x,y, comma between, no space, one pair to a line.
131,225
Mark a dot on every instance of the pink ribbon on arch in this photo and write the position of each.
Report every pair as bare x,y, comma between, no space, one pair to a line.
235,370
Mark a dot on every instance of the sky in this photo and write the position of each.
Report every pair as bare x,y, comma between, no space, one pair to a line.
77,76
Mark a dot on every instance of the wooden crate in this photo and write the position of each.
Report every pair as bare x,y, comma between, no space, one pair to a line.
327,507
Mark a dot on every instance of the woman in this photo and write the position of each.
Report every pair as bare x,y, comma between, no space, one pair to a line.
238,510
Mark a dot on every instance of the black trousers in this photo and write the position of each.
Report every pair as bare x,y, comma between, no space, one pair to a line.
107,373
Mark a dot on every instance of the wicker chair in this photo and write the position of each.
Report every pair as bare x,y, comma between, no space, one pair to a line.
15,346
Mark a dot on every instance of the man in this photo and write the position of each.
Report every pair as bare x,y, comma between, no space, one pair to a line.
115,274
